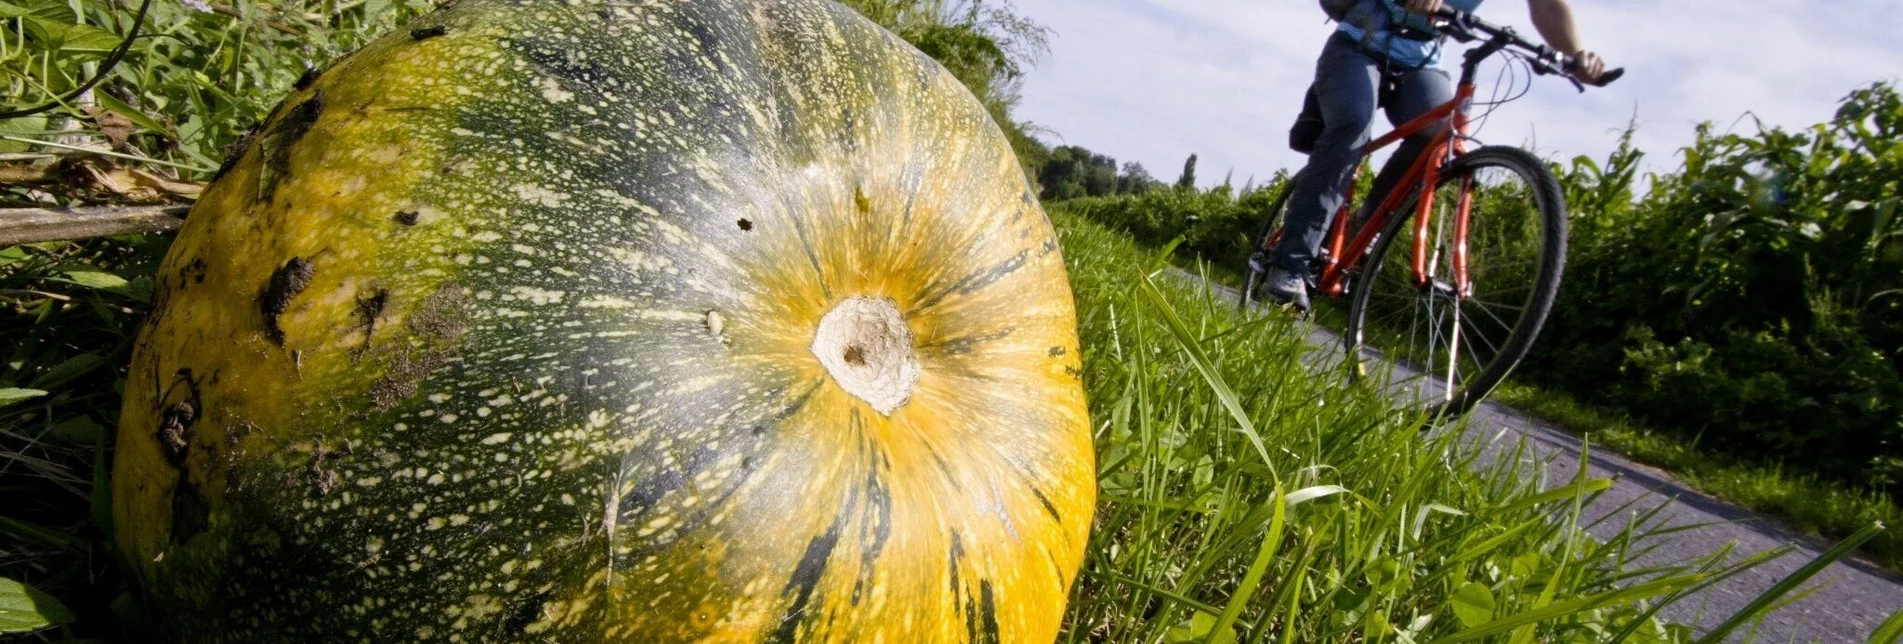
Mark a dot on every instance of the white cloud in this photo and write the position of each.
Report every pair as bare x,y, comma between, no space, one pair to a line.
1153,80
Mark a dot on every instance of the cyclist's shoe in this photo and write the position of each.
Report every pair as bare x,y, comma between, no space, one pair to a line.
1286,287
1259,262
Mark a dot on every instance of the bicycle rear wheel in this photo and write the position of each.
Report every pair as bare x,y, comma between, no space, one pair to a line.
1258,263
1423,342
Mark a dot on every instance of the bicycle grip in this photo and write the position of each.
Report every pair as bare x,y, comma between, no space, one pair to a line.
1606,77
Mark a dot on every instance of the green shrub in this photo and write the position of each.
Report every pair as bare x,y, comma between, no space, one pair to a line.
1215,224
1749,297
1752,299
198,77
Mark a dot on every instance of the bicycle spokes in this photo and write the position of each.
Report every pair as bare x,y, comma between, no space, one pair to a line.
1457,316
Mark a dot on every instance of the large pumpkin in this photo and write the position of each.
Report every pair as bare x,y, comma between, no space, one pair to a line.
719,320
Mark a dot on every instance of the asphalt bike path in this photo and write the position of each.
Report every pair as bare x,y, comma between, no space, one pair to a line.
1850,599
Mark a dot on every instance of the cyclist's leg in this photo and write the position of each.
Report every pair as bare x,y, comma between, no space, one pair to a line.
1418,92
1345,87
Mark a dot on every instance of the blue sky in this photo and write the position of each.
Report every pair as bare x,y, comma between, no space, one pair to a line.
1153,80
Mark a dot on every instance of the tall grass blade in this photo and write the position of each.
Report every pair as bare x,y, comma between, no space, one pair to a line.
1200,360
1790,582
1890,631
1271,542
1573,606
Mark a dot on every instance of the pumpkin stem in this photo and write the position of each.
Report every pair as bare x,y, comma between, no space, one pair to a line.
867,348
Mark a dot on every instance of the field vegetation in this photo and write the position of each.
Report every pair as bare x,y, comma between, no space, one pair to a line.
1738,320
1243,500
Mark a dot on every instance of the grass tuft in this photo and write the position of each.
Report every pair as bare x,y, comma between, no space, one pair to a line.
1248,498
1809,503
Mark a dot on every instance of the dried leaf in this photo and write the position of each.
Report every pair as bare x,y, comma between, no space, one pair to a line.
15,174
167,185
115,126
135,185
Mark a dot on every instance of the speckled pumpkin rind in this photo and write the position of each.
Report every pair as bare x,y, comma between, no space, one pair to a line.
500,330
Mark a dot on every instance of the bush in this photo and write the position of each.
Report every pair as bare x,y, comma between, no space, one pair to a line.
1752,299
1215,224
1749,298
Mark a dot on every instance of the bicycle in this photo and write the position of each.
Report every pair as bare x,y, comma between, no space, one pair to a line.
1507,230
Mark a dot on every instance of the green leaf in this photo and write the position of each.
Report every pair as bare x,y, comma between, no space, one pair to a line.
95,279
10,396
72,368
139,289
1473,604
13,11
51,10
110,102
80,429
1198,627
46,32
34,533
25,609
88,39
1573,606
1315,492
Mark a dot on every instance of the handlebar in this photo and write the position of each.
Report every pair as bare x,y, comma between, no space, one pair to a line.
1466,27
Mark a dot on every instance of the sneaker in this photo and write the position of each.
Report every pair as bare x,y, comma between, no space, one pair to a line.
1286,287
1258,262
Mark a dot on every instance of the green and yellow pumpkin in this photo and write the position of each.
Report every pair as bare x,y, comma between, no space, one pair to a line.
709,320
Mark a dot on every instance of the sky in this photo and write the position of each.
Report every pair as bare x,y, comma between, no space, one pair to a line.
1153,81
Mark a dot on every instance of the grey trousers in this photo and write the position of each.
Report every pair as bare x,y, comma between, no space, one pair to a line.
1348,87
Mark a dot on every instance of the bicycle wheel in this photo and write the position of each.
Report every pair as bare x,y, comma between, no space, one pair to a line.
1259,255
1444,352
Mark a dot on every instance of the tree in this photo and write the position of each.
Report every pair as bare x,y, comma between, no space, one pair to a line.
1135,180
1101,179
985,46
1188,180
1073,171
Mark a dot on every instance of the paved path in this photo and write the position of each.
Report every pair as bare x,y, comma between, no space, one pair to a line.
1859,595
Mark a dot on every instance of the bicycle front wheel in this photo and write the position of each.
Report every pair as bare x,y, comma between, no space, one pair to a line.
1425,341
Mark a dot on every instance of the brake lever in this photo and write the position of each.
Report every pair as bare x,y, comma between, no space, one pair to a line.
1455,23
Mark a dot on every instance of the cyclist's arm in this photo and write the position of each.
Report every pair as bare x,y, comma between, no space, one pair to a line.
1554,20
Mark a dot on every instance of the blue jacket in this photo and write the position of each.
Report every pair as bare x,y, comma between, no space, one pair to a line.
1368,22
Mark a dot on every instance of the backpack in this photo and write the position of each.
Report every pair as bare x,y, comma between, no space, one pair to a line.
1337,10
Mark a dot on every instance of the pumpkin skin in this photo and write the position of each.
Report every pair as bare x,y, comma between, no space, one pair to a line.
505,329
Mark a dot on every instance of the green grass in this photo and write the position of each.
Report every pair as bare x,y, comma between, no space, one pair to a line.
194,82
69,312
1807,502
1244,498
1247,498
1811,504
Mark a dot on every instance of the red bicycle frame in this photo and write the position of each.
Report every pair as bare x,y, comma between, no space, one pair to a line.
1446,146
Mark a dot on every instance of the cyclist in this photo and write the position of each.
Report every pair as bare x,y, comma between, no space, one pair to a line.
1384,54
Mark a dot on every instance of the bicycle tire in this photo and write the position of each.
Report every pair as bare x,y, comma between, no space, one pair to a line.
1259,246
1504,240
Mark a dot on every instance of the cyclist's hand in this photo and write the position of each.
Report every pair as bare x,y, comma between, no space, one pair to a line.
1587,66
1424,7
